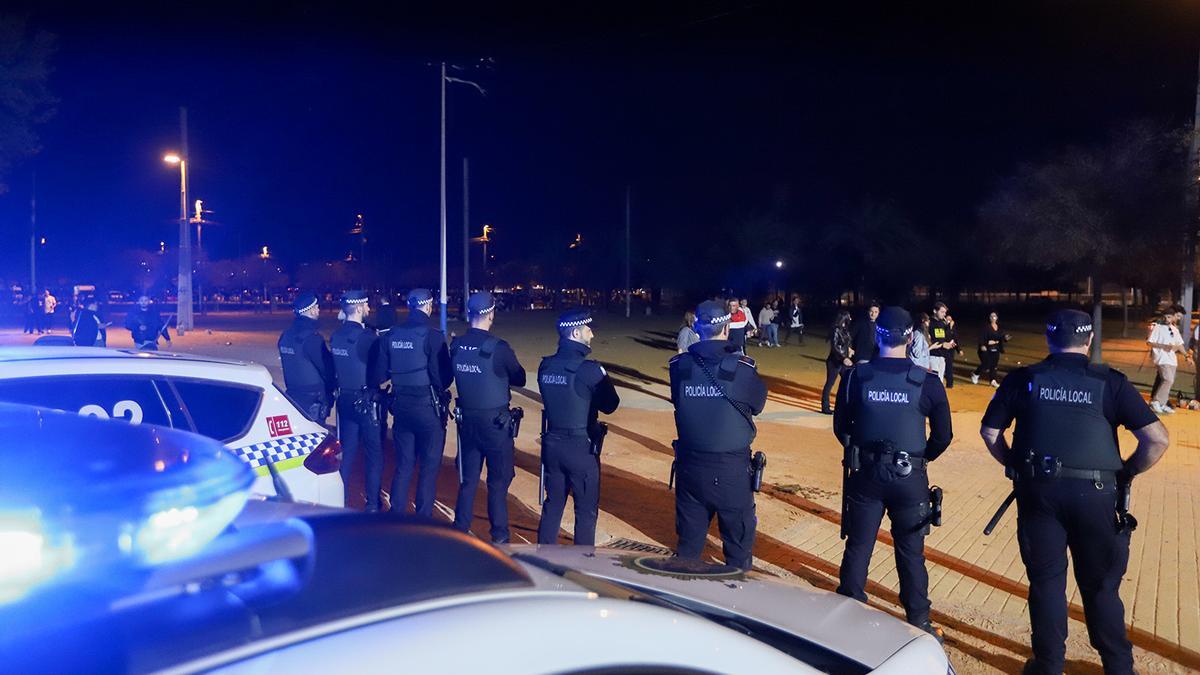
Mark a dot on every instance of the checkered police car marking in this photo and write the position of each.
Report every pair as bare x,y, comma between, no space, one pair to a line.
279,449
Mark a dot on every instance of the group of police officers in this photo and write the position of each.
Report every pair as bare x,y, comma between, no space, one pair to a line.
892,418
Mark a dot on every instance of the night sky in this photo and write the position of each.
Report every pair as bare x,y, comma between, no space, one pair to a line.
302,117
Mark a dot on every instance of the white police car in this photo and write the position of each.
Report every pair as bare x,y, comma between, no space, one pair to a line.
231,401
127,558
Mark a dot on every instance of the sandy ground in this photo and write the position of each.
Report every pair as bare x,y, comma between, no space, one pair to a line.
977,584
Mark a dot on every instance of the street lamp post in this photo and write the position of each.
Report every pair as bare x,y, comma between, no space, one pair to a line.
183,315
442,250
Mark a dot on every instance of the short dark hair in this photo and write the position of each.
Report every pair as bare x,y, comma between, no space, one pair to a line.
874,303
891,338
939,305
1176,309
708,330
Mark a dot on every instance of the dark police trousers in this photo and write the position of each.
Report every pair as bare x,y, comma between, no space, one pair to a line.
485,442
1054,515
907,503
571,468
355,430
719,483
419,439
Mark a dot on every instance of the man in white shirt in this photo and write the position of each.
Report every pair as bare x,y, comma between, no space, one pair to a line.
1166,344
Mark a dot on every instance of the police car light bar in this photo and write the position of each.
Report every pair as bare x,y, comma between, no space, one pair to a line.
86,497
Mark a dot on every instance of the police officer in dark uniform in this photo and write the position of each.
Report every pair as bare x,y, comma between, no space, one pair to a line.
1067,470
308,373
354,359
484,368
716,393
574,390
882,408
414,355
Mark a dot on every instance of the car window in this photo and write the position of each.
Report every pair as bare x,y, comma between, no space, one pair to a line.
129,397
218,409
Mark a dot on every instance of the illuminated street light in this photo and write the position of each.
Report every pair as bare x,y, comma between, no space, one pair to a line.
265,254
778,264
183,314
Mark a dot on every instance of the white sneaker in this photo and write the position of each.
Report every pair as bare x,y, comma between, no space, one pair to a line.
1156,407
995,384
974,379
1168,410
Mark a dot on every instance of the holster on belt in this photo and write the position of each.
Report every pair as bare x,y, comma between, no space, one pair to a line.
596,433
674,465
758,465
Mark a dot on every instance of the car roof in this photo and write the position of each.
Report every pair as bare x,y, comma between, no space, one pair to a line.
31,353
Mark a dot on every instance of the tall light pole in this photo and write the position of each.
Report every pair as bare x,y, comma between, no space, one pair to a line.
443,201
33,237
466,237
183,315
444,80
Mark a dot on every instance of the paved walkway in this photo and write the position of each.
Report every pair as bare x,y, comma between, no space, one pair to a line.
977,583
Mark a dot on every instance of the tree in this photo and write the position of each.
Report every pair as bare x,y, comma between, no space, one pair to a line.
25,98
1113,211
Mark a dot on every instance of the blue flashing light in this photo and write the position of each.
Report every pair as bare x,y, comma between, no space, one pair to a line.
83,496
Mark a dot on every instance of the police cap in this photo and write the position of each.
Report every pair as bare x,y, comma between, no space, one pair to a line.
481,303
354,298
573,318
894,323
712,313
419,297
304,302
1069,327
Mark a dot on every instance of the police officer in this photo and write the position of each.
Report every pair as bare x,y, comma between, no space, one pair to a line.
354,356
308,373
882,408
574,390
716,393
484,368
414,355
1066,465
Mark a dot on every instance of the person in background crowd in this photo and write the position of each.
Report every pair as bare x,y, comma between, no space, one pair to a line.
766,322
1165,346
738,330
49,306
794,321
777,311
751,324
385,318
841,356
918,349
88,330
991,346
1192,353
145,326
864,335
33,309
941,344
687,332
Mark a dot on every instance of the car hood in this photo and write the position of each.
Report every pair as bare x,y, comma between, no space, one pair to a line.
838,623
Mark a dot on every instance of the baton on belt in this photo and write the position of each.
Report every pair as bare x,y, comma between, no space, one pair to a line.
458,458
542,463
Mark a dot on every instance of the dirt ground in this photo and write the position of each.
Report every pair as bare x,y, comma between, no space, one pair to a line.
977,583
